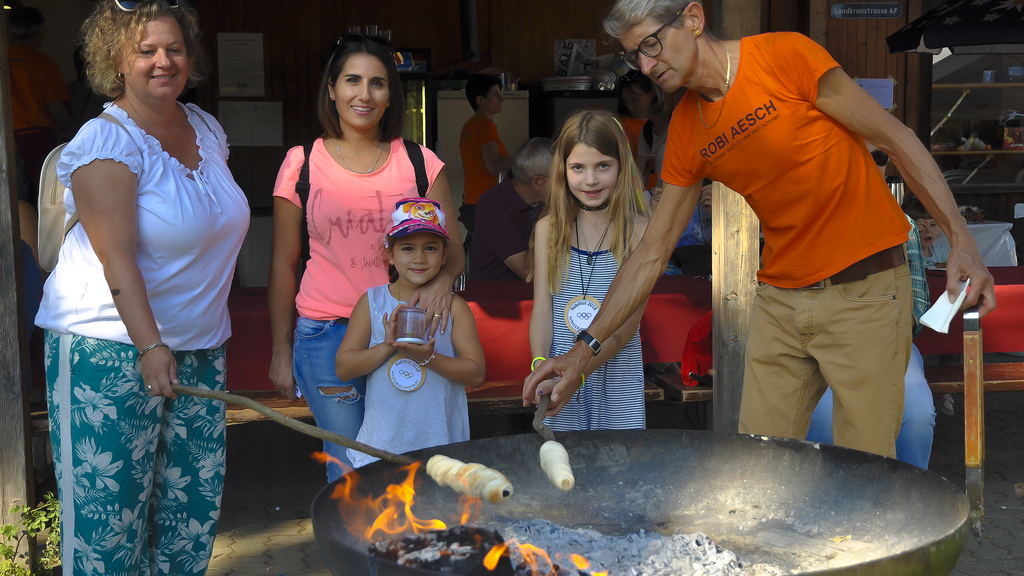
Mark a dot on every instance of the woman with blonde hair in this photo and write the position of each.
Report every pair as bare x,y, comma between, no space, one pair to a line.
595,216
138,302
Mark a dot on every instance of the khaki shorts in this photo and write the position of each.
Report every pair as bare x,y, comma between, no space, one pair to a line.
853,337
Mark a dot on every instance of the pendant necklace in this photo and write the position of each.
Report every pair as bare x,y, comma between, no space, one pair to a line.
591,255
728,71
380,153
581,310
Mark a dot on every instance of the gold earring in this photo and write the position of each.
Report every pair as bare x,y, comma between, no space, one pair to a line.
696,32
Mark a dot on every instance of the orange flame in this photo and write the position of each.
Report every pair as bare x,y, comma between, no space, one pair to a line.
325,458
390,513
471,507
533,557
580,562
491,560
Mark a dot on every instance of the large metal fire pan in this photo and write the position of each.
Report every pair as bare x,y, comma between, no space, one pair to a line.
768,499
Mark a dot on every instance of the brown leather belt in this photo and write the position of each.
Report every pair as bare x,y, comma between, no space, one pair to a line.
877,262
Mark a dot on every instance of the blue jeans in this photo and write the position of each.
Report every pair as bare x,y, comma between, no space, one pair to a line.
316,345
914,443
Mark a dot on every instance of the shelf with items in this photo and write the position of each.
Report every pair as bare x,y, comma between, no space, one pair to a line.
977,111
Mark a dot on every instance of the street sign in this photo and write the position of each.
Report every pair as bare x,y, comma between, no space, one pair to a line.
854,10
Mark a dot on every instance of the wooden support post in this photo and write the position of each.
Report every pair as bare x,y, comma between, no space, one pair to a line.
974,417
734,241
15,471
735,262
818,21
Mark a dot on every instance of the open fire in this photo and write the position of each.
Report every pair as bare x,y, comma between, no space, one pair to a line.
390,530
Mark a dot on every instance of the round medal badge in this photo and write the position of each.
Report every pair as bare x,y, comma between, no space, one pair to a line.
580,312
405,374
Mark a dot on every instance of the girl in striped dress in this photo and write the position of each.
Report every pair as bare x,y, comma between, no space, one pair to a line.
595,216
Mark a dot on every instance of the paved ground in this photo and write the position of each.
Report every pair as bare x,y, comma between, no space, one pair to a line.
265,527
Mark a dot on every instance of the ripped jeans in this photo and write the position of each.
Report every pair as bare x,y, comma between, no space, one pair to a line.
316,345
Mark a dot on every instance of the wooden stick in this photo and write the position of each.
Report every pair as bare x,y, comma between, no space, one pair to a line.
293,423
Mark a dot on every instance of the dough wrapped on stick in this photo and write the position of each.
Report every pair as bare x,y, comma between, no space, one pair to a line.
553,457
555,462
473,479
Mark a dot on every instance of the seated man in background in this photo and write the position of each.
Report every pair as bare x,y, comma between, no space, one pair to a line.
505,215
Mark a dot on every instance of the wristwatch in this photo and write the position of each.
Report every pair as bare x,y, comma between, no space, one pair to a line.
593,343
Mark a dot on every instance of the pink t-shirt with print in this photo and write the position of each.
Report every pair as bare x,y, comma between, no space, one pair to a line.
347,216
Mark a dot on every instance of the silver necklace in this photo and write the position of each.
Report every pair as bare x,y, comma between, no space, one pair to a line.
351,169
728,72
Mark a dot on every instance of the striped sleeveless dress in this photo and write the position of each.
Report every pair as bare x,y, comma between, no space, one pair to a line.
613,398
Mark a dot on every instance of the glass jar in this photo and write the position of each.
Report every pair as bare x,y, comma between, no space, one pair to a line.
412,325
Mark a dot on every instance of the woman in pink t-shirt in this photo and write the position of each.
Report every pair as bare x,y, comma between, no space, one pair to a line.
356,172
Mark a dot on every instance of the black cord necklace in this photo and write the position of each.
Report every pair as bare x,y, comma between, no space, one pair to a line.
591,255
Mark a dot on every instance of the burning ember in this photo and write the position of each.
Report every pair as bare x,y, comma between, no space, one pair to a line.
460,550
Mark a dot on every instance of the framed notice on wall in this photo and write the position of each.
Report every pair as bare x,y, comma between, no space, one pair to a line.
240,64
251,123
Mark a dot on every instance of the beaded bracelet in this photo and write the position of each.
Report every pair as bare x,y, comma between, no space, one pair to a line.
150,347
533,365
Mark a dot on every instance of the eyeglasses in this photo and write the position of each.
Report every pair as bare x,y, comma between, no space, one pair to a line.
128,6
355,37
650,46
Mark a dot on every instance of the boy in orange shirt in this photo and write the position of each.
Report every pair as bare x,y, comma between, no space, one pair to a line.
483,154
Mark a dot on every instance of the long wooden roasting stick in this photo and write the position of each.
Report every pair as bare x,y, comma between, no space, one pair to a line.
293,423
474,479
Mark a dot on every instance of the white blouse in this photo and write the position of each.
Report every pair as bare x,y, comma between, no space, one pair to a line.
191,224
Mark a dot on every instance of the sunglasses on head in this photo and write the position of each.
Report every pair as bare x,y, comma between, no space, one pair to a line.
353,37
129,6
880,158
631,76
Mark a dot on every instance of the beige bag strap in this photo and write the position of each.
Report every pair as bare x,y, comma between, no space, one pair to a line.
74,215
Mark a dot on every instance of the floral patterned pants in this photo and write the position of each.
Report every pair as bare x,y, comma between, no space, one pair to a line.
139,477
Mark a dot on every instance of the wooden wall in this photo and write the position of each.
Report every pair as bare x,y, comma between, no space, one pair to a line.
859,46
523,32
514,35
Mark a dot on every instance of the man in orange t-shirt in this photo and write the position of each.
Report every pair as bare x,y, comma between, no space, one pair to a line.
775,118
39,97
483,154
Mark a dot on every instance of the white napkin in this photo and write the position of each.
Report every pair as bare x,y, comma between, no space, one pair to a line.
941,313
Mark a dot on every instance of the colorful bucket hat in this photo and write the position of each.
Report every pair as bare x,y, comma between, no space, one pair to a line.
417,215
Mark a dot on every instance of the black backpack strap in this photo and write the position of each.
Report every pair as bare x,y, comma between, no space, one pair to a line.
302,189
419,165
649,134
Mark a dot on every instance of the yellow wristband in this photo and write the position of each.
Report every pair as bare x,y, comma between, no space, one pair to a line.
533,365
583,380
